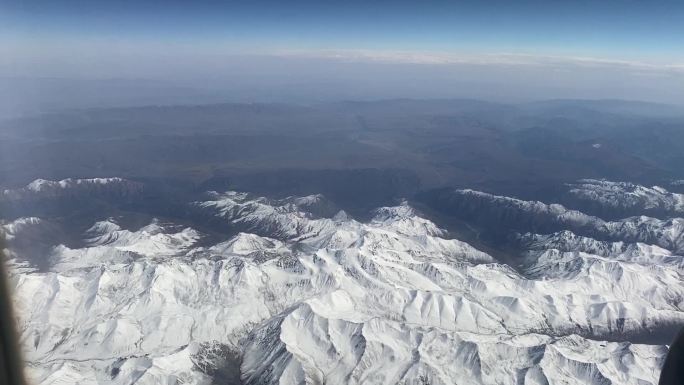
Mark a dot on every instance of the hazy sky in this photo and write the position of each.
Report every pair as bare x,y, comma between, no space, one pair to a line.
537,49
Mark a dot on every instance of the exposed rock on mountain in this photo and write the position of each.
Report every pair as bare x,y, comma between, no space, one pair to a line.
624,198
297,297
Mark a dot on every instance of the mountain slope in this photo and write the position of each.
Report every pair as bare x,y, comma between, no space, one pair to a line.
297,297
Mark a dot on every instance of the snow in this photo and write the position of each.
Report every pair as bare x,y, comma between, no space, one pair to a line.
42,184
318,300
627,195
11,229
45,189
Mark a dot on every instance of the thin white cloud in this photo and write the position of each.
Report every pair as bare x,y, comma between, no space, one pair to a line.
507,59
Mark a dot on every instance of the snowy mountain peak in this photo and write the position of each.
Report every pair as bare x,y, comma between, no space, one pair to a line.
625,195
292,298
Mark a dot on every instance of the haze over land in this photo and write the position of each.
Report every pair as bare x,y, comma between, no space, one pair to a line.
72,54
370,151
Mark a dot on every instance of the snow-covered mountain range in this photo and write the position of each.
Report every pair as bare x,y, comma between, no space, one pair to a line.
625,197
41,189
297,296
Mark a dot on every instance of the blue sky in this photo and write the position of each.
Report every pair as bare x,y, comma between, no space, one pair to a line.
634,48
626,28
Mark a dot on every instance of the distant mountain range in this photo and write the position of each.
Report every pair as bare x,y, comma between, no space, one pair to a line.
379,150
